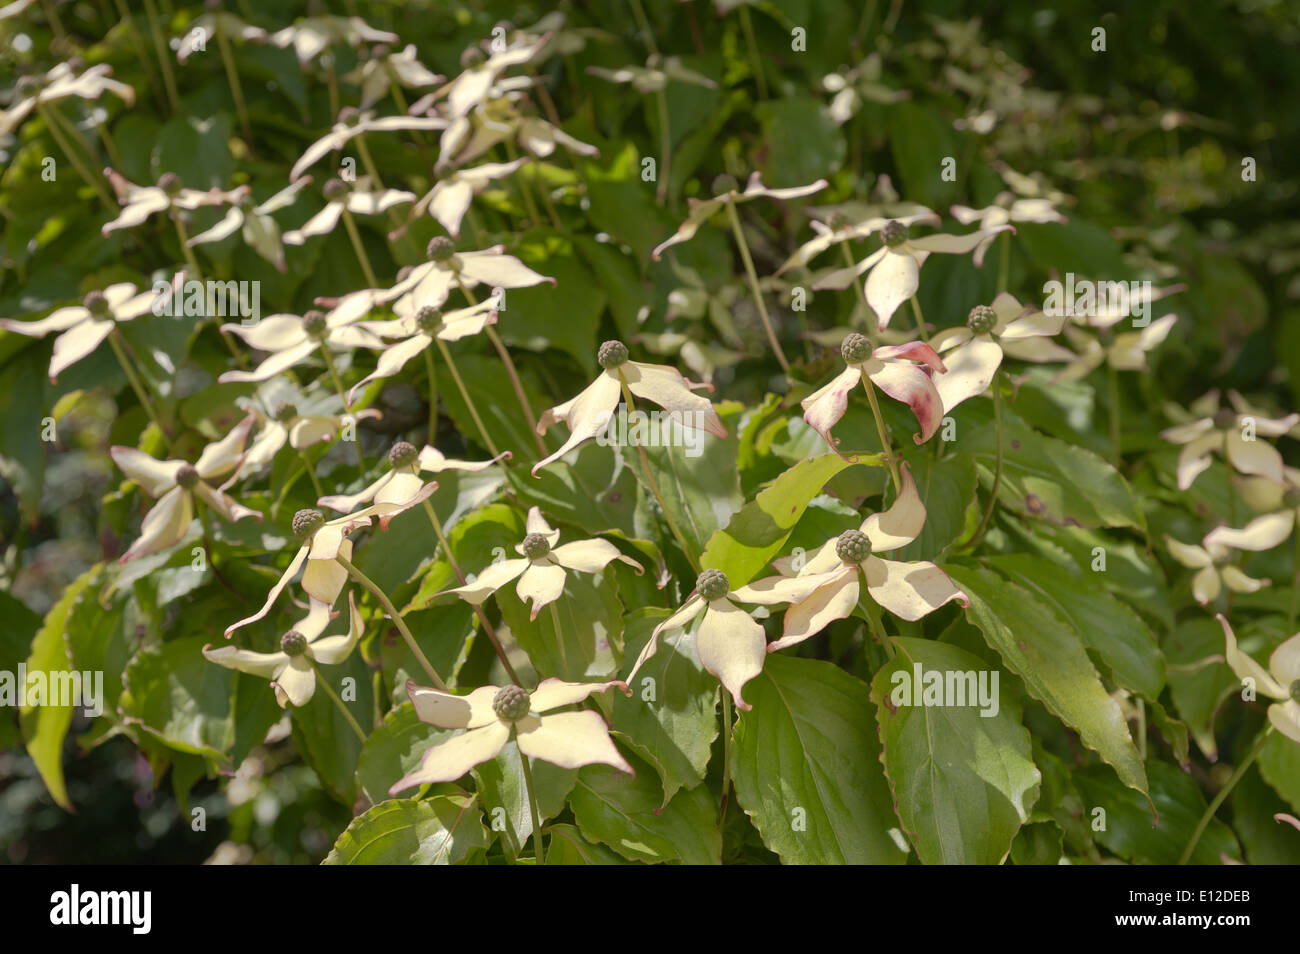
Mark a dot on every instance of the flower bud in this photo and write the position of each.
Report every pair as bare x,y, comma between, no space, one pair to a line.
981,320
307,522
170,183
293,643
853,546
855,348
612,354
429,320
894,233
440,249
97,305
713,585
285,412
511,703
187,477
402,454
314,324
335,189
536,546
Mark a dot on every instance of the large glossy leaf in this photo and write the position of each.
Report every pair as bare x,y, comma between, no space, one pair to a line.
173,693
961,770
437,831
806,765
1043,650
504,796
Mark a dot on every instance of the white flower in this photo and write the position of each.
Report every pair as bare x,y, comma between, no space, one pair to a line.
589,413
1005,208
352,124
1213,571
292,669
541,571
1232,432
472,87
1280,681
449,199
356,198
312,35
59,83
299,431
259,231
176,483
493,715
429,283
383,70
205,27
140,202
658,72
402,480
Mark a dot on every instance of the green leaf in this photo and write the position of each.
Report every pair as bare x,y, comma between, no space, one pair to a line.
173,693
567,847
504,796
671,717
437,831
1047,479
563,316
920,139
325,738
756,533
197,150
1128,830
1113,631
1042,649
963,780
45,726
802,143
23,389
806,764
1279,763
622,811
947,486
394,749
590,628
1199,678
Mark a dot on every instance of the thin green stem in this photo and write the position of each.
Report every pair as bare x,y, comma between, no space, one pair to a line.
232,77
513,373
1113,380
747,25
364,260
164,55
396,617
997,467
559,640
883,432
338,702
52,123
311,472
338,387
877,627
1224,792
469,401
873,329
136,385
643,24
1004,261
753,286
665,147
478,609
368,161
653,484
432,373
920,320
1142,728
141,52
532,806
1295,585
726,756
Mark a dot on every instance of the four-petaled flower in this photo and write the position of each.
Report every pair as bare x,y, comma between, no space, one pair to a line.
292,670
1232,432
494,714
59,83
384,70
352,123
1213,571
140,202
589,413
259,231
1006,208
973,354
1280,681
354,198
299,431
402,479
541,569
904,372
449,199
290,338
311,36
700,211
895,267
175,483
828,584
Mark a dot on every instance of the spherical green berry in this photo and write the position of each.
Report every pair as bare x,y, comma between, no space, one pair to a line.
440,249
894,233
611,354
536,546
982,320
402,454
314,324
293,643
853,546
187,477
307,522
713,585
335,189
429,320
511,703
855,348
97,305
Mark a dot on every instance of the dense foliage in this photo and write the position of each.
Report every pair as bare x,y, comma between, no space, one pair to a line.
649,432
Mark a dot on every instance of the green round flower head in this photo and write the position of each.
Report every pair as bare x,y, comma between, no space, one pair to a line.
293,643
511,703
981,320
1294,691
97,305
611,354
307,522
536,546
855,348
440,249
471,57
894,233
314,324
429,320
1225,419
286,411
402,454
187,477
725,183
349,115
713,585
853,546
335,189
170,183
